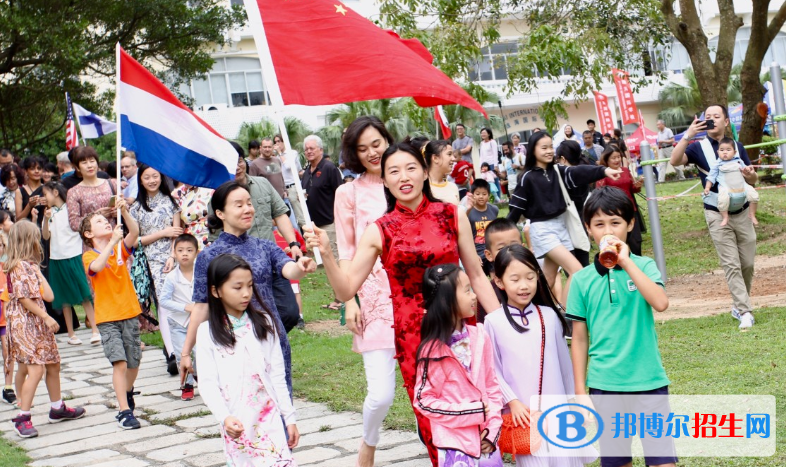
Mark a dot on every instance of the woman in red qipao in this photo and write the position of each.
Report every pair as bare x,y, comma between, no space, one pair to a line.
417,232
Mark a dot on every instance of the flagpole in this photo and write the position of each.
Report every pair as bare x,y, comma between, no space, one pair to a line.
276,99
118,139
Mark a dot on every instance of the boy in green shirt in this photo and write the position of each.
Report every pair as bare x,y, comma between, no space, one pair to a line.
614,308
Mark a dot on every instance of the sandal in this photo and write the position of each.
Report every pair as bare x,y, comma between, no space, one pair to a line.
334,305
74,341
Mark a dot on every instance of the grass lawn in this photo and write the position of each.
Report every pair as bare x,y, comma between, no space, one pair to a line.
687,243
701,355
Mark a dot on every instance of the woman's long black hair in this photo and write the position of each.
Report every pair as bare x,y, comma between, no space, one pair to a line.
571,151
543,297
530,161
403,146
439,299
220,327
219,201
141,195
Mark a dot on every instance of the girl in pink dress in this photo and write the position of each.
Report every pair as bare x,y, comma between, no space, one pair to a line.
358,205
418,231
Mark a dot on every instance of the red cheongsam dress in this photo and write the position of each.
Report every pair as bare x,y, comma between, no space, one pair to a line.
412,242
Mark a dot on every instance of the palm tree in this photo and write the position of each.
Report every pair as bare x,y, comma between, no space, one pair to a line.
391,111
681,102
265,128
297,130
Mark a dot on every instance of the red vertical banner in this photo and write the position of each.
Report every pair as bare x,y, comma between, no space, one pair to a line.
630,114
605,117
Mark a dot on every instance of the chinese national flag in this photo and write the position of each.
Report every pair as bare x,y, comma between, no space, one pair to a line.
325,53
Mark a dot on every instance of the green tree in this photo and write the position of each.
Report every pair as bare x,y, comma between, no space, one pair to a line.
712,76
393,112
297,130
585,38
681,103
47,45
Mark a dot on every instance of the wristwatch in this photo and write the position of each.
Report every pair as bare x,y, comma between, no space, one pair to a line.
294,244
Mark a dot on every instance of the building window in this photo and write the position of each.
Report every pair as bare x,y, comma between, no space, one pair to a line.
234,82
493,64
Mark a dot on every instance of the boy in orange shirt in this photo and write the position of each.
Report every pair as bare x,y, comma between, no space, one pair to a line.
116,304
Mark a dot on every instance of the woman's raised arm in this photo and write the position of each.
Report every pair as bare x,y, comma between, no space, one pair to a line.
346,284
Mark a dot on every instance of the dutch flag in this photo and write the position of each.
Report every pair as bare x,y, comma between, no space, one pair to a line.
167,135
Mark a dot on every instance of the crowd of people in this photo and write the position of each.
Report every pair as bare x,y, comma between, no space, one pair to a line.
470,305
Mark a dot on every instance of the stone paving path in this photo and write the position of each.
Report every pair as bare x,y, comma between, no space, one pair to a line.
175,433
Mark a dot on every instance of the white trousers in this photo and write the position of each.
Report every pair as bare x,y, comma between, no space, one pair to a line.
380,368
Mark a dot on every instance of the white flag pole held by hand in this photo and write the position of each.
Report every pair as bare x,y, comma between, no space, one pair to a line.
276,100
118,190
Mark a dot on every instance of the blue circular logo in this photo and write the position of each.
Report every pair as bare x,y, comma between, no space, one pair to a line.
594,413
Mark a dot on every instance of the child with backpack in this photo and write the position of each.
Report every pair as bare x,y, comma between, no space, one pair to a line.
457,387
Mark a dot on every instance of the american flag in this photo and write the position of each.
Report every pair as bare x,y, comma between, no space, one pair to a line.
72,140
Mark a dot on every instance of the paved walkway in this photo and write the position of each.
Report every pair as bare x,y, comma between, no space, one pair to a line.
176,433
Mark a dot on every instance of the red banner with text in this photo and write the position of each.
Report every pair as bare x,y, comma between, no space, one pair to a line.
605,116
628,110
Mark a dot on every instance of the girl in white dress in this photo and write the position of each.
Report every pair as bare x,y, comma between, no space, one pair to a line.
241,370
530,353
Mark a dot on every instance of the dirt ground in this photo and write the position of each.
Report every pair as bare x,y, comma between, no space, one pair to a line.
690,296
697,295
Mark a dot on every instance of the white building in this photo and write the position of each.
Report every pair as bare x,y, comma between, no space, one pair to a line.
234,91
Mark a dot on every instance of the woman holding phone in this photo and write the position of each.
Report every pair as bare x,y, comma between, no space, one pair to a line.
92,194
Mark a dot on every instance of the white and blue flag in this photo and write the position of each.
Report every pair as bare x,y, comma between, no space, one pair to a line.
92,125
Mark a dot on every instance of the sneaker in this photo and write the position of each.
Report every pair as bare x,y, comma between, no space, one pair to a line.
746,320
127,421
74,341
301,324
96,339
65,413
9,396
24,427
130,395
171,366
735,313
188,393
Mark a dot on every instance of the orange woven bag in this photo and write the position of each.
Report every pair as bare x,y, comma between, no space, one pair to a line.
516,440
523,440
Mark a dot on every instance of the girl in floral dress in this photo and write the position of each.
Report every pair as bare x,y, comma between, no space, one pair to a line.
418,231
241,370
31,331
159,224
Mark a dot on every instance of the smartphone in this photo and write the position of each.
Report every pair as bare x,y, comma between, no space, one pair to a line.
112,202
710,124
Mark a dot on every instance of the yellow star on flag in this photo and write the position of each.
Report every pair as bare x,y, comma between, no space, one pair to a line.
340,9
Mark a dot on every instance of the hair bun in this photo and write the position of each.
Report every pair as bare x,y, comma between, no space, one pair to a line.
214,223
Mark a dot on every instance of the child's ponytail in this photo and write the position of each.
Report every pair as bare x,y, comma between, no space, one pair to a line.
439,300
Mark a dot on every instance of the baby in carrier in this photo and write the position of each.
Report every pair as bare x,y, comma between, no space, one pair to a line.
732,189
